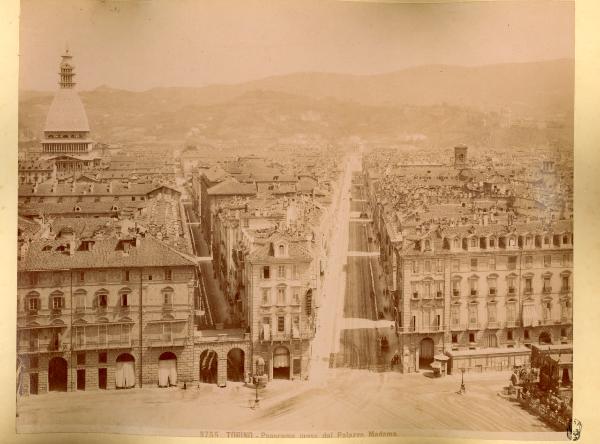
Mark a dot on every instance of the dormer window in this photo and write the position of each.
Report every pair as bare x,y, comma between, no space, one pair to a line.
281,250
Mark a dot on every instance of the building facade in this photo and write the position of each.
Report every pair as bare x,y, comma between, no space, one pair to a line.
477,292
281,282
87,323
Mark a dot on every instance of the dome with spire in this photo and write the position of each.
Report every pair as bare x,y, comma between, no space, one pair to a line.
66,111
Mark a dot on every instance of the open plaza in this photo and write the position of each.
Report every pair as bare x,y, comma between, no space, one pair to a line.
347,401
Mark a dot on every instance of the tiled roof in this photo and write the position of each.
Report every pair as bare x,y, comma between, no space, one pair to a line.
232,187
27,227
114,188
106,253
34,209
216,174
295,252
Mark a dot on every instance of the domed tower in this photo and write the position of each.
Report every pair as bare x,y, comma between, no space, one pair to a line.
67,130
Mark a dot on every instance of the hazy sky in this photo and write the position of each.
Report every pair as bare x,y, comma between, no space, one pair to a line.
142,44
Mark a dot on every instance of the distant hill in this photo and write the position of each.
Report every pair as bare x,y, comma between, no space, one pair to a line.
528,89
443,102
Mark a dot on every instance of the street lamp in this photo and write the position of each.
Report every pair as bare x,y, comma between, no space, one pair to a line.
462,381
260,368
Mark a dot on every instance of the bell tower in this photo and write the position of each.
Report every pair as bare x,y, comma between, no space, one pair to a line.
460,156
66,71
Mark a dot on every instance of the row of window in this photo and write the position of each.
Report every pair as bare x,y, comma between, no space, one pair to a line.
99,336
488,263
282,272
528,241
431,288
279,325
281,292
430,318
66,136
492,339
80,198
56,299
95,276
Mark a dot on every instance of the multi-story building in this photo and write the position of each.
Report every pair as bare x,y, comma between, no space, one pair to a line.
281,281
35,171
471,275
477,292
104,313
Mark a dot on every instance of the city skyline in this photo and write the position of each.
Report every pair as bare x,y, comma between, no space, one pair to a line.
314,256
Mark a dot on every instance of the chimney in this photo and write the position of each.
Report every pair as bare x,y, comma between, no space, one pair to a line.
23,248
72,247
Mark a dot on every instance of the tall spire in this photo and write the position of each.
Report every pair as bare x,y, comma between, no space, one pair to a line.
66,70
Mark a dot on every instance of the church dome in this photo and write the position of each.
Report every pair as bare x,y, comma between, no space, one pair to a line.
67,112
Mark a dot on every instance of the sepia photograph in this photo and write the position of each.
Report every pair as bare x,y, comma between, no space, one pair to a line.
296,219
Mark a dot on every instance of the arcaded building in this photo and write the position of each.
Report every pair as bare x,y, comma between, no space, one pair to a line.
483,293
104,313
473,273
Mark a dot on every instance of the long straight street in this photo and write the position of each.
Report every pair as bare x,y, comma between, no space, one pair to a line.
367,315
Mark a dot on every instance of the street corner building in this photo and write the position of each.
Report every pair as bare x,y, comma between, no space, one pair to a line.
104,313
479,269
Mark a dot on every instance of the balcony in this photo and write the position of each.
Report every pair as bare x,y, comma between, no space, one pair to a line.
493,324
167,307
528,291
566,319
32,312
124,309
456,326
55,312
547,290
281,336
548,321
473,326
102,344
430,328
512,324
80,310
166,341
101,310
564,290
